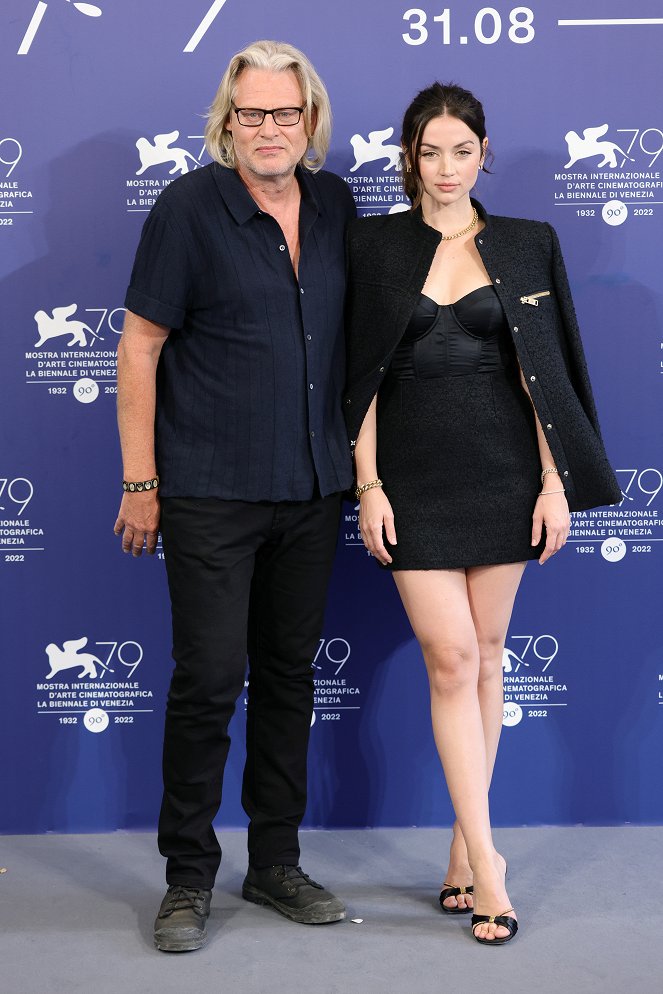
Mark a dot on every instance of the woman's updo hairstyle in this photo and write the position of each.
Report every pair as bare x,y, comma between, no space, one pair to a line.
435,101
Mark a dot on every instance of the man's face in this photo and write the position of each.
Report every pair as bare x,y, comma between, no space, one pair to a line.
268,150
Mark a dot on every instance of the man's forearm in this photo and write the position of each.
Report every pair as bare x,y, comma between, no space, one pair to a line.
137,359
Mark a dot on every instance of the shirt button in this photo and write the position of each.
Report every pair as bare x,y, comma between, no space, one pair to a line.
348,401
312,434
308,338
310,386
498,280
516,328
481,241
281,248
549,427
382,369
533,379
301,289
566,472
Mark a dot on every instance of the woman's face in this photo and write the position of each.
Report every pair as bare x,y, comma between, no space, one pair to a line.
449,160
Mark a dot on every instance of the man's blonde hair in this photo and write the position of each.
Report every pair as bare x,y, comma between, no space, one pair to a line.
274,56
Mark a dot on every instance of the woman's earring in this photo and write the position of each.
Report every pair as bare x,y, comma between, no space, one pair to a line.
408,167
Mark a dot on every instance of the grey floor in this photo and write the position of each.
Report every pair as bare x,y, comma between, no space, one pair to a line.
76,914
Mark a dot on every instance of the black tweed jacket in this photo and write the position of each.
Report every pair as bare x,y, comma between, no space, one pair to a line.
389,259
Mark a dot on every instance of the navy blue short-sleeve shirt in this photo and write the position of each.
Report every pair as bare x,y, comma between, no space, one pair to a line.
250,377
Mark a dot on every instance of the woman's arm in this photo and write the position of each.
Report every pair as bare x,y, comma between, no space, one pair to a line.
551,508
375,513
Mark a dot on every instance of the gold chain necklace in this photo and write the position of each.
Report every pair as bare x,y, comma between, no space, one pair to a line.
475,218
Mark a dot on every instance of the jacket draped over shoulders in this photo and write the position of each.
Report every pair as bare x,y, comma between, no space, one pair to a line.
389,258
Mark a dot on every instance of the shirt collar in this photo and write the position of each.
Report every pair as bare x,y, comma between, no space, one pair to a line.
241,204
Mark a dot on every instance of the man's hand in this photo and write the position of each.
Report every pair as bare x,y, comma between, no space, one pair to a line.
138,522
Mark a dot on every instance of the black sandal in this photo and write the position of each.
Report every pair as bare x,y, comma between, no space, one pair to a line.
450,891
504,920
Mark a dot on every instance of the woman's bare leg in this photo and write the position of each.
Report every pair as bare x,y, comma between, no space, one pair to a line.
441,606
491,593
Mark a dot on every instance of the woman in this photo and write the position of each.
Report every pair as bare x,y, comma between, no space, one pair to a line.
475,432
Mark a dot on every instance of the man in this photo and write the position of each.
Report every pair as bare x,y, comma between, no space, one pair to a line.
230,371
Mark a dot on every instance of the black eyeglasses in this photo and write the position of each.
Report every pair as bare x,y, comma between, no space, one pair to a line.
252,117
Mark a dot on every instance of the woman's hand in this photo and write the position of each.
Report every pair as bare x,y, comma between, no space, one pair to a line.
375,514
552,510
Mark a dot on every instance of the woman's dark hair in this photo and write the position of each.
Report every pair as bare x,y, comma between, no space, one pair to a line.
435,101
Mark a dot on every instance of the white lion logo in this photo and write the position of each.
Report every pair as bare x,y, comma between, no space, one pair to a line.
70,657
589,146
509,660
58,323
374,150
160,153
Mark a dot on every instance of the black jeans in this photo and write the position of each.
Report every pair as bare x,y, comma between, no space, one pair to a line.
243,577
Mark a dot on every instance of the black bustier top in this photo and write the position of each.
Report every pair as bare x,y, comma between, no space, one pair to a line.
469,336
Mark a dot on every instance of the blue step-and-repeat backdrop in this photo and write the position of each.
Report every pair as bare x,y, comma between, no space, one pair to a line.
102,106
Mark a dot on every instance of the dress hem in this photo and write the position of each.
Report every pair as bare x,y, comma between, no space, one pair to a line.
445,566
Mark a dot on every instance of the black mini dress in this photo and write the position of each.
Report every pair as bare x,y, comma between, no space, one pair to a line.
457,448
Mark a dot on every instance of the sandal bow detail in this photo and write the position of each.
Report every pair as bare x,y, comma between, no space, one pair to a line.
450,890
504,920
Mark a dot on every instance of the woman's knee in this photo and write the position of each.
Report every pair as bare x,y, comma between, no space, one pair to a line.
491,649
451,667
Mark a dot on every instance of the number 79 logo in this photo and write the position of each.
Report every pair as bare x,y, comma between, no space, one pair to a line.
544,649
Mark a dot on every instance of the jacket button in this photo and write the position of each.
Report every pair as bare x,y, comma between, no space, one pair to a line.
481,241
516,328
549,427
533,379
497,279
348,401
382,369
566,472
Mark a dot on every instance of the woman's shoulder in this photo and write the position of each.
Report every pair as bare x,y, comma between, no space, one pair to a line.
524,229
364,230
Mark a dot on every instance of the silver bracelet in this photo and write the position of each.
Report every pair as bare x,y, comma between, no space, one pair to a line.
543,474
543,493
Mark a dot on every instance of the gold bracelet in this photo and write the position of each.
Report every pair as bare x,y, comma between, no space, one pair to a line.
367,486
542,493
543,474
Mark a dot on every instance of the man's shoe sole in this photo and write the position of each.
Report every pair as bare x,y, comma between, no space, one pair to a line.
184,944
303,916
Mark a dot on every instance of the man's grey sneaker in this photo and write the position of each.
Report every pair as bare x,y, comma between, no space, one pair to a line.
182,919
293,893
